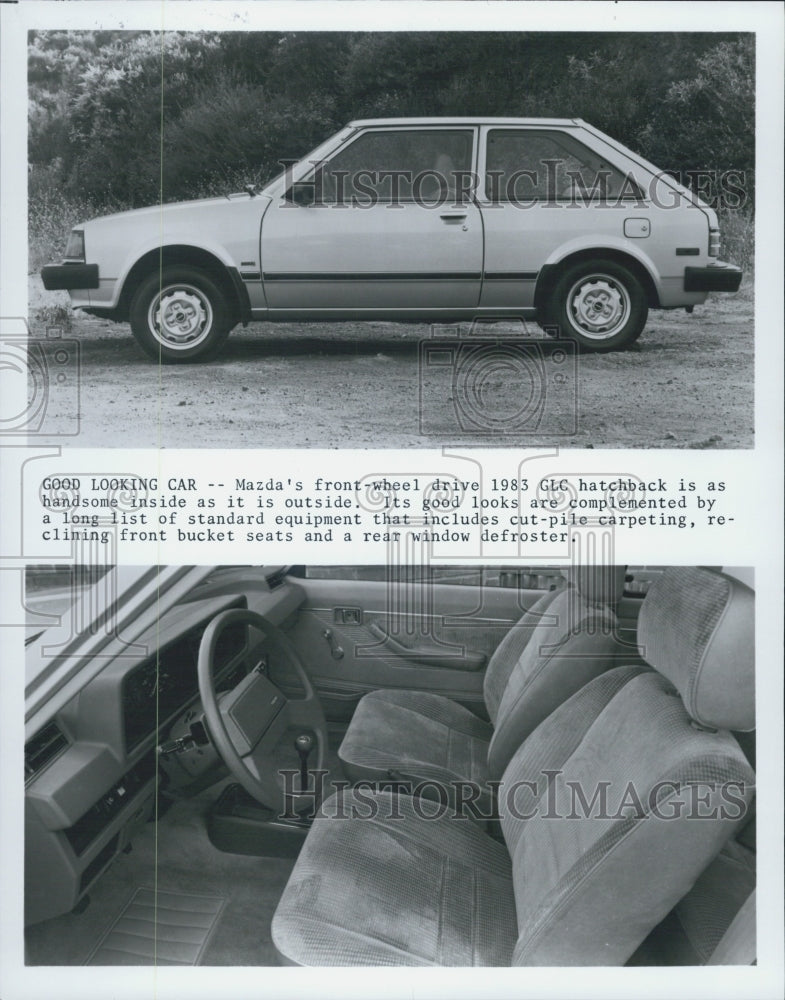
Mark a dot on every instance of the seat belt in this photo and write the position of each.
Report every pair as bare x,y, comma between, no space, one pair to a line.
737,944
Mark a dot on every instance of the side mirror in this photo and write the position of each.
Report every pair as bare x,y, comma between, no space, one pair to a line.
301,193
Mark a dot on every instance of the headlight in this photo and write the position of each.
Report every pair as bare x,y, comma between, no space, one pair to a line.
74,249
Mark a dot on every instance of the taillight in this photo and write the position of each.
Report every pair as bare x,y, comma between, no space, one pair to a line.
74,249
714,243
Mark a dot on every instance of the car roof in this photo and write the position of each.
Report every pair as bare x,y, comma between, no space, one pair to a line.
363,122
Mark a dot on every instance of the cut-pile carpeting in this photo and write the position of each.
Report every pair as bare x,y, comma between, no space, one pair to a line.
176,856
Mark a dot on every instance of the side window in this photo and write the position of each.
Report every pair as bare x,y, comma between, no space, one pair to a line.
398,165
523,578
528,165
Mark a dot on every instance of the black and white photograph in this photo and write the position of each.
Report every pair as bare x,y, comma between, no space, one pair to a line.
392,547
391,765
395,239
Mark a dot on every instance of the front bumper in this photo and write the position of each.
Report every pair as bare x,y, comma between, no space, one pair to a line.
720,278
67,276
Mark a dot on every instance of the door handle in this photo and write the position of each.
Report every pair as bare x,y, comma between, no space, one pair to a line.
452,216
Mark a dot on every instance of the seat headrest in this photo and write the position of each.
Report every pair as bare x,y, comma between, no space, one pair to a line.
598,584
697,628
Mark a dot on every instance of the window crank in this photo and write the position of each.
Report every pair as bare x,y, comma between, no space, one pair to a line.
335,650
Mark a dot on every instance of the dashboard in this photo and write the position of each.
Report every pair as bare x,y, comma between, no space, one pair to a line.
163,685
91,772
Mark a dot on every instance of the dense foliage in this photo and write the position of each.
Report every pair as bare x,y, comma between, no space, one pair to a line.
131,118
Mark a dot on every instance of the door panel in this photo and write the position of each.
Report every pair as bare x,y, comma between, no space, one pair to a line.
440,627
381,257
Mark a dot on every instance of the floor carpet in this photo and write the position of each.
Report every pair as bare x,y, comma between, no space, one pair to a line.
159,928
174,855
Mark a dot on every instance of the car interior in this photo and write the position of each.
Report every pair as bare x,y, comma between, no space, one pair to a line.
435,766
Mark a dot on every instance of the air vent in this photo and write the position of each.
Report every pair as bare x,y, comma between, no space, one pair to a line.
47,744
276,578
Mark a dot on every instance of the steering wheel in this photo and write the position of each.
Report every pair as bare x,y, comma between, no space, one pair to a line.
246,723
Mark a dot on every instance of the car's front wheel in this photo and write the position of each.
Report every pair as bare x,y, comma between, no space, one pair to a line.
601,305
180,315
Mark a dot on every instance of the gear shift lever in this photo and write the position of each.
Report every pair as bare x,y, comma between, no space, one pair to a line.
303,745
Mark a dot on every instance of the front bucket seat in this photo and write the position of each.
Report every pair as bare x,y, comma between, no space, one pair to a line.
568,637
580,881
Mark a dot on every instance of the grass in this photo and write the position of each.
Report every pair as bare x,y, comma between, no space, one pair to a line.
58,317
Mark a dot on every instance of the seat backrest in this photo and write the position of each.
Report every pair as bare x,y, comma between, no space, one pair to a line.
693,931
565,640
618,801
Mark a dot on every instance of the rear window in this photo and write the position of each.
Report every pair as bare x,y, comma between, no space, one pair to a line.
527,165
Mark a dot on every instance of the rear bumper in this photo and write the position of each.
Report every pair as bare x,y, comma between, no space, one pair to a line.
720,278
67,276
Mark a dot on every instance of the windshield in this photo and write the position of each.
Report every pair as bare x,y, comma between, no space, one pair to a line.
52,590
100,614
318,153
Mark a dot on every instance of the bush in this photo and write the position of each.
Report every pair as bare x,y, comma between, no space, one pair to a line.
737,228
131,113
51,214
234,133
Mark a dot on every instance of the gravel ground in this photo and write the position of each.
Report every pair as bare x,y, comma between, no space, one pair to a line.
687,383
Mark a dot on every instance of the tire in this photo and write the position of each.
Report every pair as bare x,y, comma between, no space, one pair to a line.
180,316
601,305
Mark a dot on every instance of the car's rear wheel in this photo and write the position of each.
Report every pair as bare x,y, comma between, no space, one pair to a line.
599,304
180,315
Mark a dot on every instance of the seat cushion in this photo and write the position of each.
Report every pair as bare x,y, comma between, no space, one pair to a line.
395,889
418,737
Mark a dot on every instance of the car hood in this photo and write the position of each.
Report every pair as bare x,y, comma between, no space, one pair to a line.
237,202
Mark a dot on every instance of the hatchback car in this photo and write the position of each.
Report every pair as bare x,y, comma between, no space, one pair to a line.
242,766
412,219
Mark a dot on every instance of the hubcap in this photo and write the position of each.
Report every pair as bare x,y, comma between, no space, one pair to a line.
598,306
180,317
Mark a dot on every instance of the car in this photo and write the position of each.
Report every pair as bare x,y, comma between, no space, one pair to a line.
411,219
196,735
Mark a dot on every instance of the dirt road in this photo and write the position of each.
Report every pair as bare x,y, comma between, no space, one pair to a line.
687,383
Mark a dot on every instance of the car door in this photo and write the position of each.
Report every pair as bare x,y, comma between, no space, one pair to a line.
544,189
434,630
384,231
